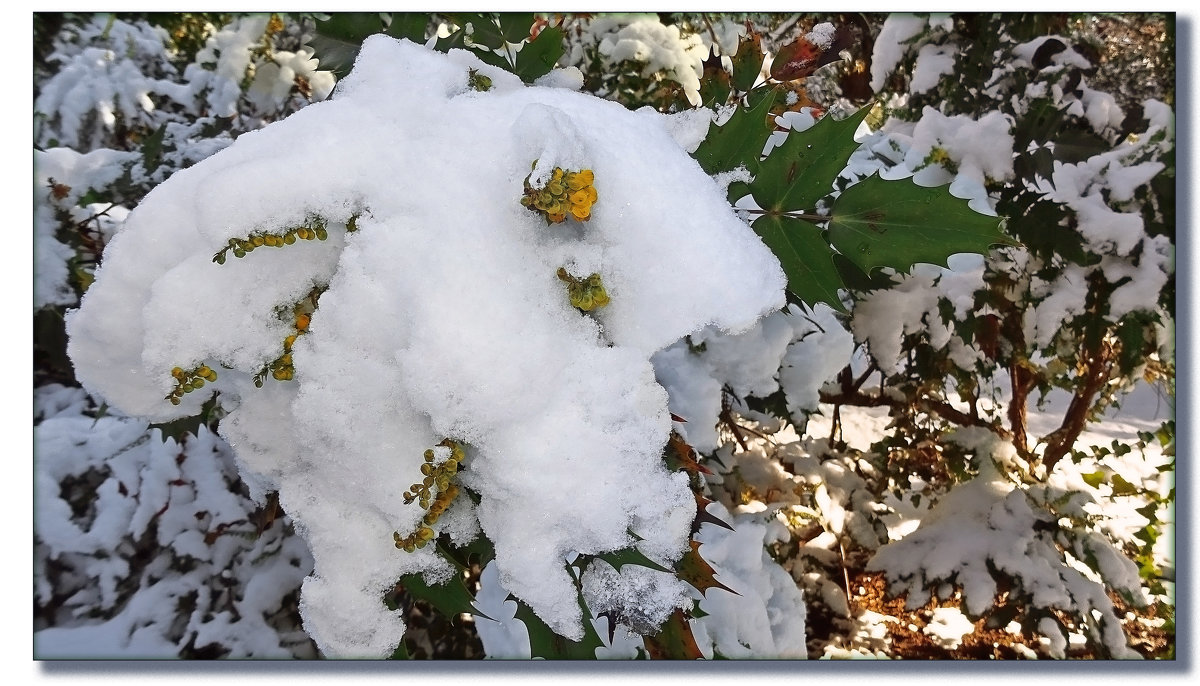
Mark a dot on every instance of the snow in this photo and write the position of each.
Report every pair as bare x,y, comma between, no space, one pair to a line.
890,45
178,495
763,617
822,35
933,62
442,318
659,48
947,627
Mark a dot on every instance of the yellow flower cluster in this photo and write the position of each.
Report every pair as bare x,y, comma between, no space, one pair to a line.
281,368
315,229
567,193
586,294
188,381
438,475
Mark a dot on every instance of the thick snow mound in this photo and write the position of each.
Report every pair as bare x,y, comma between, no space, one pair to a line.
440,316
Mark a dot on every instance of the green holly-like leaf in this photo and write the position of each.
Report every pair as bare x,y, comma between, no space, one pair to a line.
479,551
451,597
489,57
740,140
539,55
747,62
515,26
483,29
715,84
630,556
801,171
544,643
339,38
458,39
410,25
695,570
674,641
878,223
1043,227
806,258
177,429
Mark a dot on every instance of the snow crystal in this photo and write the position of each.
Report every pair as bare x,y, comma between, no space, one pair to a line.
442,317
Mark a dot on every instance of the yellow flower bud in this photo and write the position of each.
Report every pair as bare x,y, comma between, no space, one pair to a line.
580,179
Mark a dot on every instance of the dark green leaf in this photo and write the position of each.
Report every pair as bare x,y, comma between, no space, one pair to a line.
1043,227
630,556
179,428
539,55
515,26
1040,124
483,30
801,171
410,25
856,280
544,643
805,257
152,148
715,85
350,27
878,223
454,40
479,551
1076,145
740,140
747,62
488,57
451,597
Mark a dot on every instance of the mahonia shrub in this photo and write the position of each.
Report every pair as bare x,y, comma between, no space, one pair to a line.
443,316
967,424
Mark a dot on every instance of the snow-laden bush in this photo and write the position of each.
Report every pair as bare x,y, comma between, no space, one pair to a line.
1068,323
146,548
435,313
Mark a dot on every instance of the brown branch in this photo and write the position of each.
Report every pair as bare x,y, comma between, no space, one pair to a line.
1021,380
726,418
926,405
1097,369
